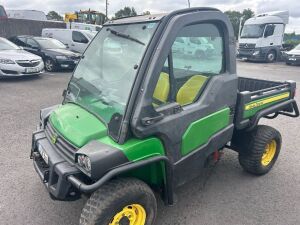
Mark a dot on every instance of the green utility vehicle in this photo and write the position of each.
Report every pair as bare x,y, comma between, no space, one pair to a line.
141,115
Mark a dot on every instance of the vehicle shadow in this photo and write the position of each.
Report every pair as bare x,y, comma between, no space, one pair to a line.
20,79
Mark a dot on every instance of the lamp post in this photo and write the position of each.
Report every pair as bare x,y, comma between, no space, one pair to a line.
189,4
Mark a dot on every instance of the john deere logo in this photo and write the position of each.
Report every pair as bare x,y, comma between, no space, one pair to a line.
54,138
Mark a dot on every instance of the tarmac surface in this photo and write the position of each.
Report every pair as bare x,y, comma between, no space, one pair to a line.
223,194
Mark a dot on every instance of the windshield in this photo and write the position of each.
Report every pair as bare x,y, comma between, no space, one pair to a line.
7,45
105,75
253,31
90,35
48,43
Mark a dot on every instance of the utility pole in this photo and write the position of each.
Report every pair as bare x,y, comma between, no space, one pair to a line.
106,6
189,4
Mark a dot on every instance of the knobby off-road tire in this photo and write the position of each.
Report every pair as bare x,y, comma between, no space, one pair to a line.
259,149
117,201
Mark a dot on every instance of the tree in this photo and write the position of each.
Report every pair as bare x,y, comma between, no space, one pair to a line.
52,15
235,16
146,13
127,11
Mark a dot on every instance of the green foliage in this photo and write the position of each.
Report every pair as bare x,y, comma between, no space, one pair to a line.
52,15
235,17
146,13
126,12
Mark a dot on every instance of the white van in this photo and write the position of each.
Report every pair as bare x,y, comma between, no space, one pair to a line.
75,40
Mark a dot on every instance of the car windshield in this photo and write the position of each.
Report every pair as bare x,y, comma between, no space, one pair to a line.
103,79
48,43
7,45
90,35
253,31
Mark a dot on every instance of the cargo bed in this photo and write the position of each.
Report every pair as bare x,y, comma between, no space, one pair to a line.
262,98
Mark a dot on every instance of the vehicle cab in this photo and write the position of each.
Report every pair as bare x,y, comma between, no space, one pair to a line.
262,36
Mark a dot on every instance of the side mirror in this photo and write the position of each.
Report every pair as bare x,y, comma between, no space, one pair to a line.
67,46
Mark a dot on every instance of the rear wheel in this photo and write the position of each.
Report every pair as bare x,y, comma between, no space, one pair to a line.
259,149
271,56
120,202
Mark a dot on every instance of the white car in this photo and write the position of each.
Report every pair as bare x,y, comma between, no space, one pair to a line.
75,40
14,61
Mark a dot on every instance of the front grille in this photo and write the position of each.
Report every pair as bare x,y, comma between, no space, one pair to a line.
28,63
60,143
246,46
9,72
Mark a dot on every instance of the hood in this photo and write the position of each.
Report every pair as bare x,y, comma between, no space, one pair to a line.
64,52
18,55
77,125
294,52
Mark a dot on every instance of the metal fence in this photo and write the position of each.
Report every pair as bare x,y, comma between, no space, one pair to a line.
13,27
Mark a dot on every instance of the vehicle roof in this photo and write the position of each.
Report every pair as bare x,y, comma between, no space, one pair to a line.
264,20
35,37
157,17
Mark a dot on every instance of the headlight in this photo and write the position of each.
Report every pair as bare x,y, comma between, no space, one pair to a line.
256,52
84,162
62,57
6,61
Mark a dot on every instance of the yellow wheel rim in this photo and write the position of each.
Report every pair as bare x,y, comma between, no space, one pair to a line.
134,214
269,153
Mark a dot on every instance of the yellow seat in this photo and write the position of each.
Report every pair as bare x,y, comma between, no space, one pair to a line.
189,91
162,89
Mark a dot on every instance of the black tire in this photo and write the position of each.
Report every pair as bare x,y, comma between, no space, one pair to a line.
110,199
49,65
252,146
271,56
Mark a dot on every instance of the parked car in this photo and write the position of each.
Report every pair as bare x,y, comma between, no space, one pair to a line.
14,61
75,40
193,46
54,53
293,56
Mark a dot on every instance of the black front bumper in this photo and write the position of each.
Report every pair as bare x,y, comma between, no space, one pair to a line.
248,54
67,64
54,173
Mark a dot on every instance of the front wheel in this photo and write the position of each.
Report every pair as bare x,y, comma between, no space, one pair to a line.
259,149
271,56
120,202
49,65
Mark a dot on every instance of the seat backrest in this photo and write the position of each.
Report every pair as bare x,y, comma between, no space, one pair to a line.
162,89
189,91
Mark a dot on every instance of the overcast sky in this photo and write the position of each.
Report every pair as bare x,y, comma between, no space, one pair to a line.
156,6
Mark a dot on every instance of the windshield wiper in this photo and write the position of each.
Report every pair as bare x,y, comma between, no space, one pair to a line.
126,36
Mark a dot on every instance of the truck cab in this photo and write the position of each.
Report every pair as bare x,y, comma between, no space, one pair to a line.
262,36
144,117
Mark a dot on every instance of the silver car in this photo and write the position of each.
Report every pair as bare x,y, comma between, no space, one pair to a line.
14,61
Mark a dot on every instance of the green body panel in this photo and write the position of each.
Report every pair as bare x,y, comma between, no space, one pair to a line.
136,150
200,131
77,125
254,110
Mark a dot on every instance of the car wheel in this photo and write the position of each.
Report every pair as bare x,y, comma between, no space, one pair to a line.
120,201
49,65
200,54
271,56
